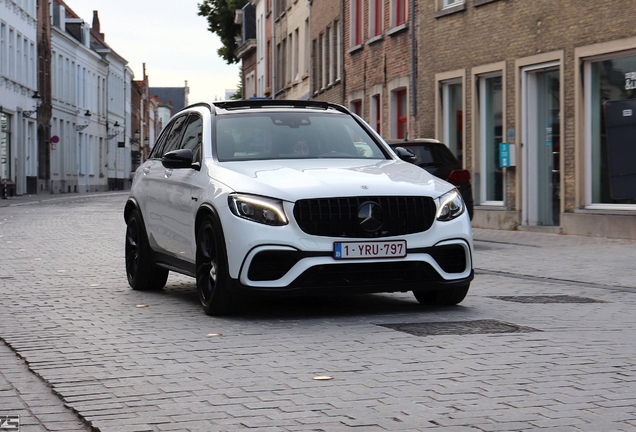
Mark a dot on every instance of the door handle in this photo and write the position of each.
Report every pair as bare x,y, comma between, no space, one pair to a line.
168,172
146,171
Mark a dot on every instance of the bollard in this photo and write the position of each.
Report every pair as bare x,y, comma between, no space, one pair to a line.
4,187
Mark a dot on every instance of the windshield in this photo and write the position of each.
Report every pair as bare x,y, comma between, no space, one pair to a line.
292,135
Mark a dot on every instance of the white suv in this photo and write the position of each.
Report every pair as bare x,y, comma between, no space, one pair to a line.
280,197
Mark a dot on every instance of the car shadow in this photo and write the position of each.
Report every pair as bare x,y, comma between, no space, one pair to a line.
313,306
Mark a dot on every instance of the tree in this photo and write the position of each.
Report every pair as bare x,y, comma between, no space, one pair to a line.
239,88
220,15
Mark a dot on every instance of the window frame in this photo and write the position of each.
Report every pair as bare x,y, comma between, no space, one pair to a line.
589,201
376,18
401,118
376,113
357,12
356,107
480,149
399,12
444,118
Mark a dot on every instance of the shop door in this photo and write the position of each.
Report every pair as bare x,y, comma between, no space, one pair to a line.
542,147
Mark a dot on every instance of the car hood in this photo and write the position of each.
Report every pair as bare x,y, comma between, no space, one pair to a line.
291,180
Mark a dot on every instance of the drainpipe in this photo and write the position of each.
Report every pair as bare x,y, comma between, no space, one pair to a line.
413,62
273,50
343,70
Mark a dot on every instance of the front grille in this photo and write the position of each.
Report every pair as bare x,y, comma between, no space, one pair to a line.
338,217
451,258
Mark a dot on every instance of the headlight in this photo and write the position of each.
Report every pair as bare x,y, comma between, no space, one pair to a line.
450,205
258,209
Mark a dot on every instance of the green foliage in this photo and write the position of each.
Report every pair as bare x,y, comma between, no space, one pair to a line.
239,88
220,15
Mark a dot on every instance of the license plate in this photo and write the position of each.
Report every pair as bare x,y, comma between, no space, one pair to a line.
375,249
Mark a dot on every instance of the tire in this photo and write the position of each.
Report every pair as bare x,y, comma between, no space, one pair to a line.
445,297
212,271
142,274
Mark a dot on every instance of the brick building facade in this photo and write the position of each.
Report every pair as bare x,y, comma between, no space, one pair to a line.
536,75
380,64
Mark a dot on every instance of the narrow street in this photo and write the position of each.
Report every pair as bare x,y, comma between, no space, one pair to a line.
544,341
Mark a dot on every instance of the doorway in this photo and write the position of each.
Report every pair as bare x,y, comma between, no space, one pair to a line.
542,146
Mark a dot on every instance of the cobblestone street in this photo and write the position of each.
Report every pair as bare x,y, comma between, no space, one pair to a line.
543,341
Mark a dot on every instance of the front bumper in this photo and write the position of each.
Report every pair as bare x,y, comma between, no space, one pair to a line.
284,259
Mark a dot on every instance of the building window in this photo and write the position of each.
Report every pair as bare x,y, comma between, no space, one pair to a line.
323,61
399,12
606,80
315,84
338,49
18,45
377,6
356,107
453,117
11,62
376,113
330,54
5,146
250,86
446,7
296,60
280,8
3,49
282,63
290,60
357,11
32,65
307,58
402,114
490,177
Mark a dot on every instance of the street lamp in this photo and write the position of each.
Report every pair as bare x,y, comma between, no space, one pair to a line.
80,128
37,100
115,129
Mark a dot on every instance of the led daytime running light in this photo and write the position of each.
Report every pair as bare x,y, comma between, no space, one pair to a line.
248,207
451,206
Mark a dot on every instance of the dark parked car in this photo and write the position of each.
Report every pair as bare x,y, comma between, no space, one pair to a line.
436,158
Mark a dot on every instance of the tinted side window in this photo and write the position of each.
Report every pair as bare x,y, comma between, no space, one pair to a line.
157,150
193,136
173,137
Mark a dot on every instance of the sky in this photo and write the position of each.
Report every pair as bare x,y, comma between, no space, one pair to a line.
169,37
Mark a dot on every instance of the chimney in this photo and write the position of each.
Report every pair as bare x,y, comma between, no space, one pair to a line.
96,26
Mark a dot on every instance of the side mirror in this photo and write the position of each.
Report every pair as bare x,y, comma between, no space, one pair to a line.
405,154
182,158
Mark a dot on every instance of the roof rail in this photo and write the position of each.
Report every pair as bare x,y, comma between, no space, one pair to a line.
263,103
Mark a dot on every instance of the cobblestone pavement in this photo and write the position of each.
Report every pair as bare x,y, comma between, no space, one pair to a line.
544,341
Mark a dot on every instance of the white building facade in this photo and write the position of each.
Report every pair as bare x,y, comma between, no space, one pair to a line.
90,123
261,46
292,52
118,128
18,106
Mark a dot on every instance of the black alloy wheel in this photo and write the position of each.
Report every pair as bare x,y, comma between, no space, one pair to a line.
445,297
212,273
142,274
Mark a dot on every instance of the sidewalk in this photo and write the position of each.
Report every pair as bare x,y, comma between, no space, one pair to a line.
585,260
31,199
